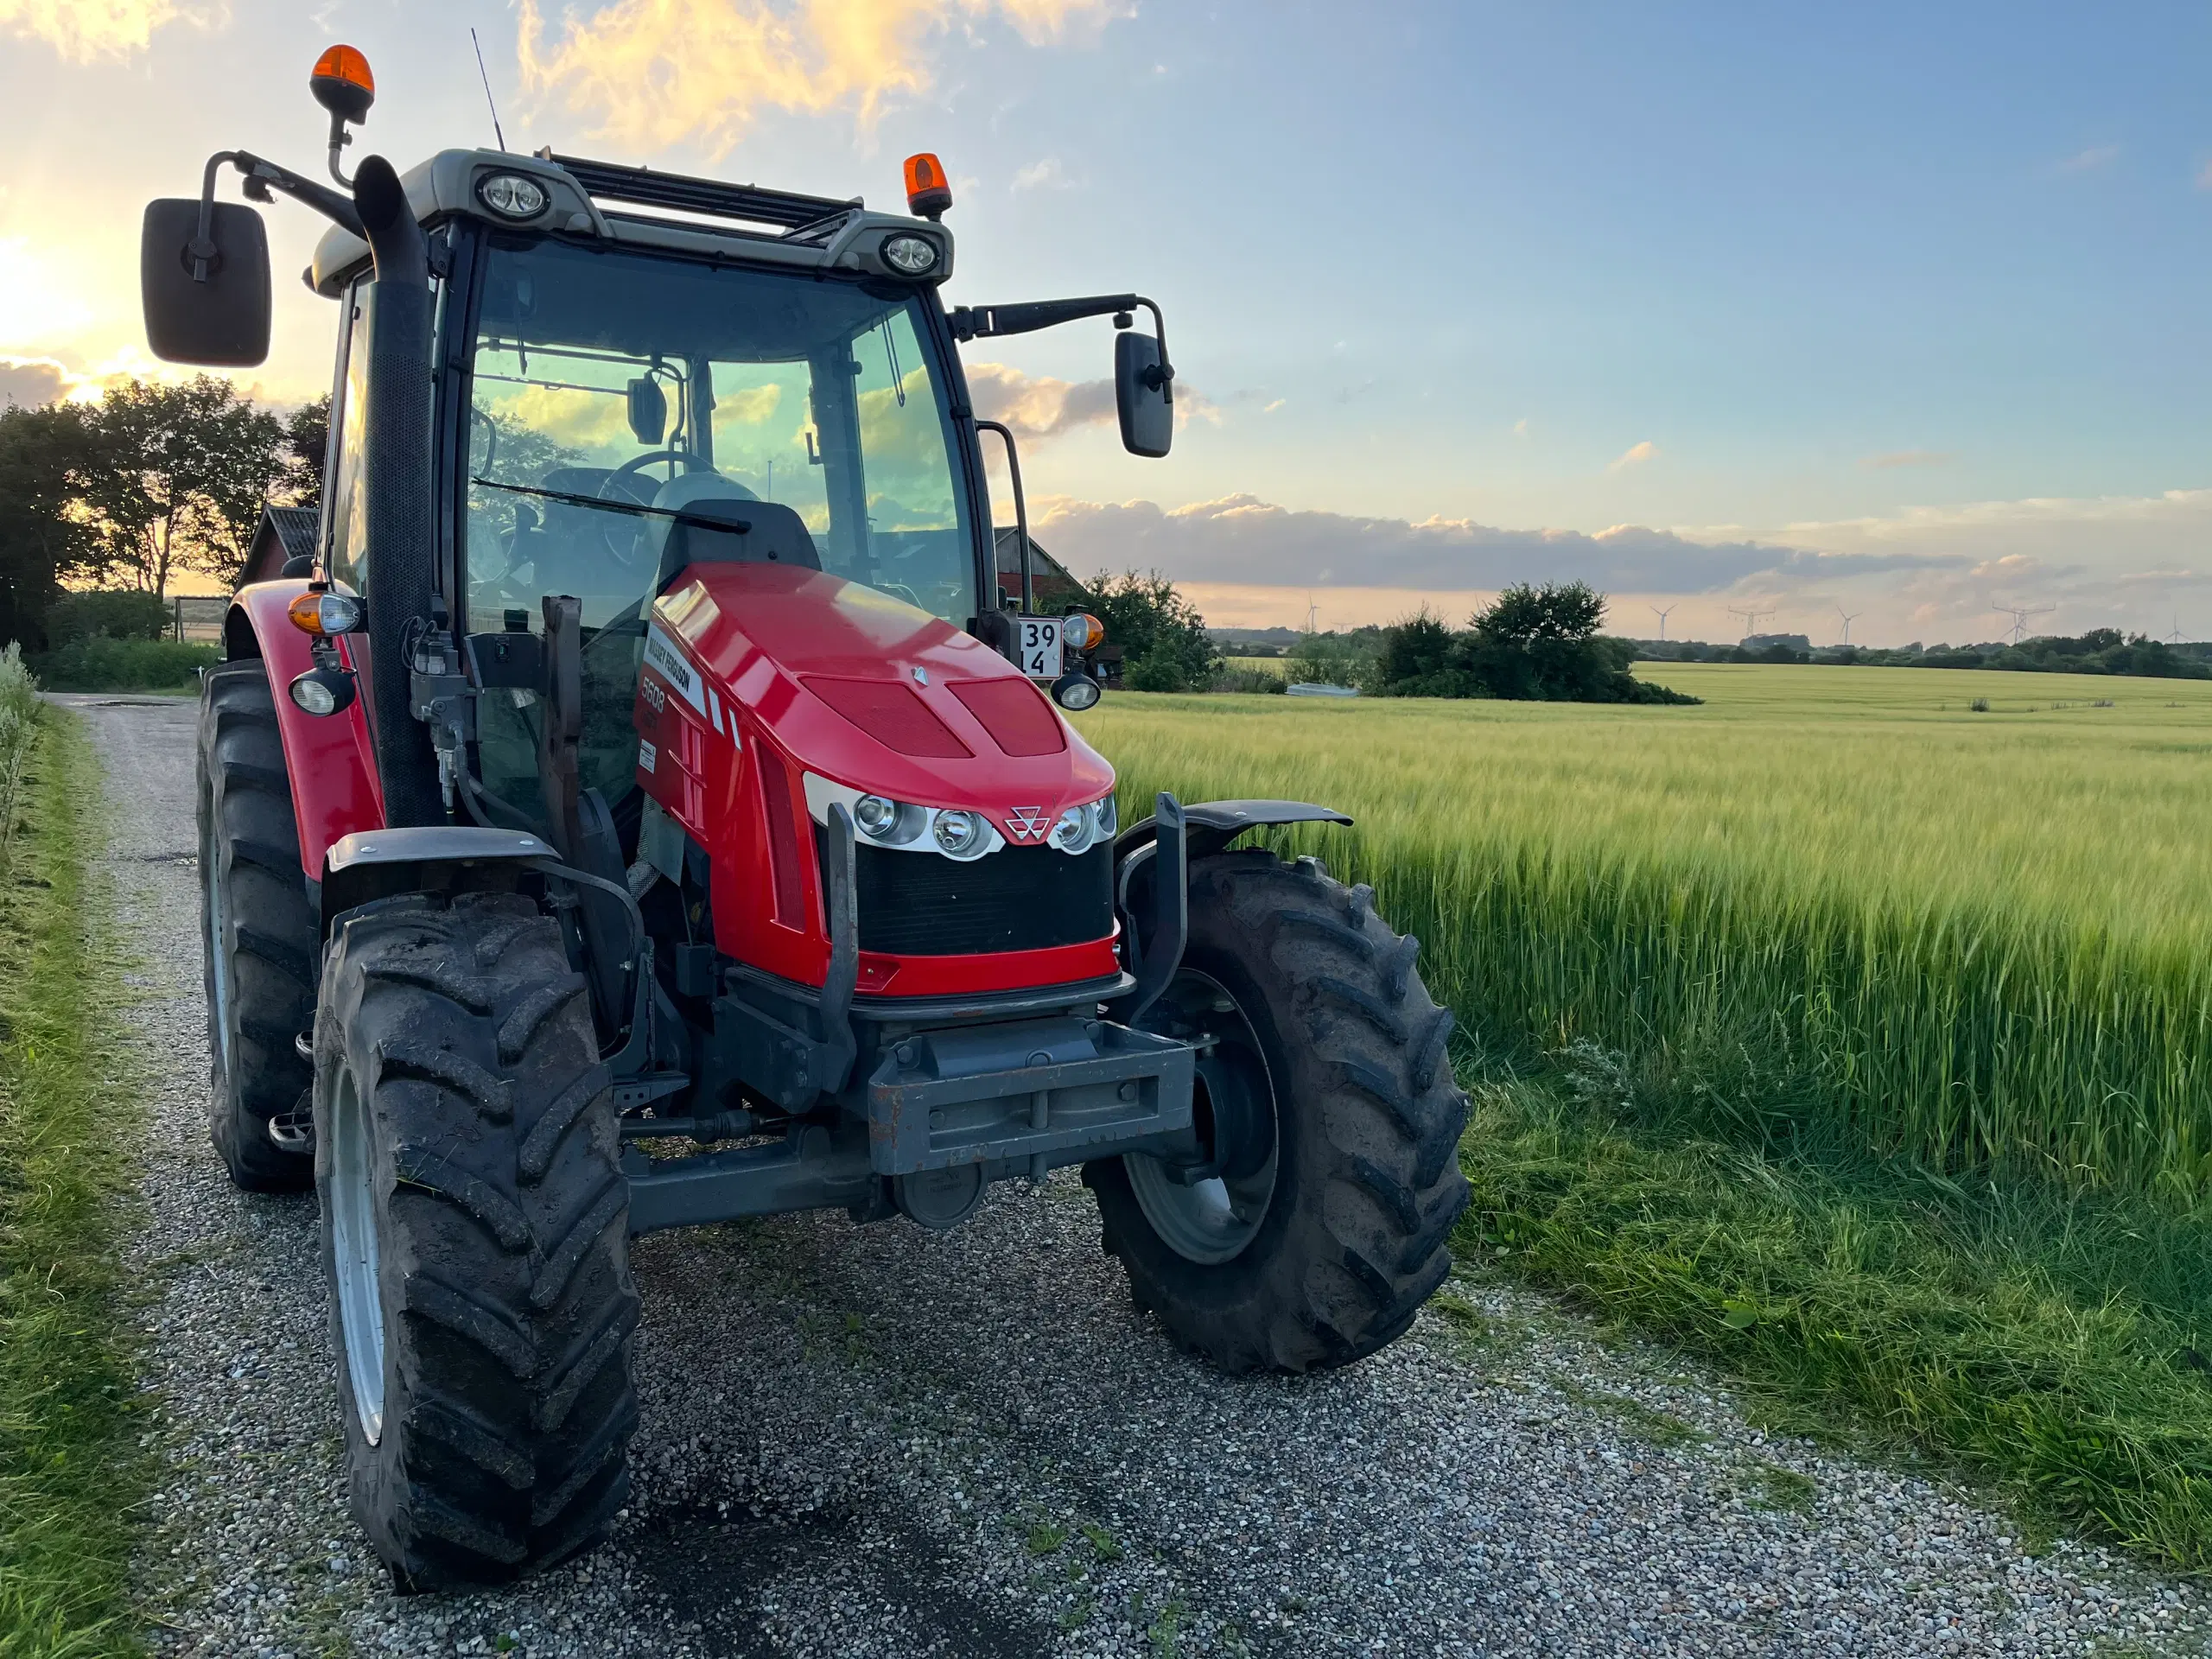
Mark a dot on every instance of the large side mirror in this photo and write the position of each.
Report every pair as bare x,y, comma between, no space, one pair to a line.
1143,395
205,303
648,411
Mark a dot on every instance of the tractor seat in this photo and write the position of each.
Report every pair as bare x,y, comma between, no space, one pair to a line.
742,528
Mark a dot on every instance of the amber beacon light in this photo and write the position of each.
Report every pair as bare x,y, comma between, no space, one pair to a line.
928,195
341,83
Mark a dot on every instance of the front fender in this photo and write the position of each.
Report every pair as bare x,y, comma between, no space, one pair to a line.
1211,825
331,764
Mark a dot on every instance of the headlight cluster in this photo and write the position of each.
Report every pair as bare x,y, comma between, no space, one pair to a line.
1082,828
952,832
956,833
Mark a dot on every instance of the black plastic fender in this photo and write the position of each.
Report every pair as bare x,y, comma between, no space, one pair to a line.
1152,931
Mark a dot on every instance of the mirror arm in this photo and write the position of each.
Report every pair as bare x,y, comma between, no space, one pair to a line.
989,321
262,177
1020,520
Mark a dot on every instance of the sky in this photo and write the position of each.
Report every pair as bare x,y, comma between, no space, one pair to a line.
1747,313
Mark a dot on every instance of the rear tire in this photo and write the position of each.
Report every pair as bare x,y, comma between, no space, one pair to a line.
475,1239
257,931
1337,1240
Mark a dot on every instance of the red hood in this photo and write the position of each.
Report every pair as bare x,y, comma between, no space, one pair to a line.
873,693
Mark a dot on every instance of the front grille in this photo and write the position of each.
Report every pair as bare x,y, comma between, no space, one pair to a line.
1016,898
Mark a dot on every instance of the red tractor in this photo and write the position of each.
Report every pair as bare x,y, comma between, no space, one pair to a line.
650,754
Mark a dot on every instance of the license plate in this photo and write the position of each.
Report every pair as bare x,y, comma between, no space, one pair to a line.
1038,638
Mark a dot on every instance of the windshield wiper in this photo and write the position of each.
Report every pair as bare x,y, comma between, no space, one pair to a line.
741,527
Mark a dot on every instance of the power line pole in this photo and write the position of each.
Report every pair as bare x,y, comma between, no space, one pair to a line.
1751,614
2021,613
1663,616
1849,617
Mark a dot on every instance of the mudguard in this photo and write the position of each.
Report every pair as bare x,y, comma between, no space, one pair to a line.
1211,825
330,761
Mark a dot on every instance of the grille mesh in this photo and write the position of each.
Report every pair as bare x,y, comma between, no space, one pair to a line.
1017,898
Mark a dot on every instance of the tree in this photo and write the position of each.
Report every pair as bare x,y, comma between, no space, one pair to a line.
1164,639
1532,642
307,440
48,457
188,468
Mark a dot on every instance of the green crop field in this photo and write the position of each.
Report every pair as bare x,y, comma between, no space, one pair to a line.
1854,1036
1969,934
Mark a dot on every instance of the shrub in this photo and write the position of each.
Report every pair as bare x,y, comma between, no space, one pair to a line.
1164,639
124,615
104,663
1251,680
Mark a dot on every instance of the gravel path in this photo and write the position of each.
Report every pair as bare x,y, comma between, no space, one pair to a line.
881,1441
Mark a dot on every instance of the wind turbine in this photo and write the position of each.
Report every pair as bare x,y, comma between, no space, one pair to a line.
1849,617
1663,616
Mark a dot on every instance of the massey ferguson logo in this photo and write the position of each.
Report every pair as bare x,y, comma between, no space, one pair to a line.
1028,823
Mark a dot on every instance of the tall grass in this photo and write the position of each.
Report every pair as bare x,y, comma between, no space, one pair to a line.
71,1473
1972,937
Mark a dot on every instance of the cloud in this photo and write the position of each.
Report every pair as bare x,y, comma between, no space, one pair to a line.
2204,177
657,73
1039,406
1241,539
27,384
1909,458
1635,455
2089,160
84,30
1039,175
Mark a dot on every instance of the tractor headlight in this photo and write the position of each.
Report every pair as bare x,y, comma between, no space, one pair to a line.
1082,828
1076,830
511,195
909,256
889,822
961,834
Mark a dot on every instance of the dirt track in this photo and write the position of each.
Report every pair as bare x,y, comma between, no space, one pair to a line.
881,1441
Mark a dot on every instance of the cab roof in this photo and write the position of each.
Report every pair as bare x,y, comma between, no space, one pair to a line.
592,200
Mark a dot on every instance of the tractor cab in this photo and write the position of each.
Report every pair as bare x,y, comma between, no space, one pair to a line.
644,808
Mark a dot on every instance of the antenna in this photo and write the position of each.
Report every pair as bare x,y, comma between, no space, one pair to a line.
1661,615
1849,617
2021,613
486,80
1751,613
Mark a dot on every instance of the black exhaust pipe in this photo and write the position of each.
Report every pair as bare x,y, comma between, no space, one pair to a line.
399,539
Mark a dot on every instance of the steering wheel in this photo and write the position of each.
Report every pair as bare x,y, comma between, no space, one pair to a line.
609,491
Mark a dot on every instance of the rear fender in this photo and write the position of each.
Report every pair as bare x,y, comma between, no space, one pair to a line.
331,764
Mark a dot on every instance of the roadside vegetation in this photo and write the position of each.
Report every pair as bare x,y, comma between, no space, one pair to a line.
70,1475
1821,1030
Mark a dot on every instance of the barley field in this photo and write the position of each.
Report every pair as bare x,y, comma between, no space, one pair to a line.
1971,936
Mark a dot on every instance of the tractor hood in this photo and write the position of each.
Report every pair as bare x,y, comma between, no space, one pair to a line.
867,691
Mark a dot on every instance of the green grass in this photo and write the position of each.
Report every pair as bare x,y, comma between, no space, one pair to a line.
1834,1030
2048,1343
70,1474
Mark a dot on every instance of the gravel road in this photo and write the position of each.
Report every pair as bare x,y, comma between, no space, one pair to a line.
881,1441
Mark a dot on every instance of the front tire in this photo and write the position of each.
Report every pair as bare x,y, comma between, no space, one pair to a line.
257,931
475,1240
1327,1095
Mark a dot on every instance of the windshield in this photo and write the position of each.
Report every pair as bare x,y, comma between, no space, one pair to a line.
624,404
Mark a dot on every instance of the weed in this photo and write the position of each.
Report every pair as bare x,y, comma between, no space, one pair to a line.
1103,1544
1045,1538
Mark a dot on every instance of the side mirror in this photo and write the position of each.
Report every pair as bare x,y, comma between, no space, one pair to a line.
205,303
1143,395
648,411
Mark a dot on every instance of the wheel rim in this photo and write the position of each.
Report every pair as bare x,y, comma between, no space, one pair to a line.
219,930
1211,1222
353,1248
